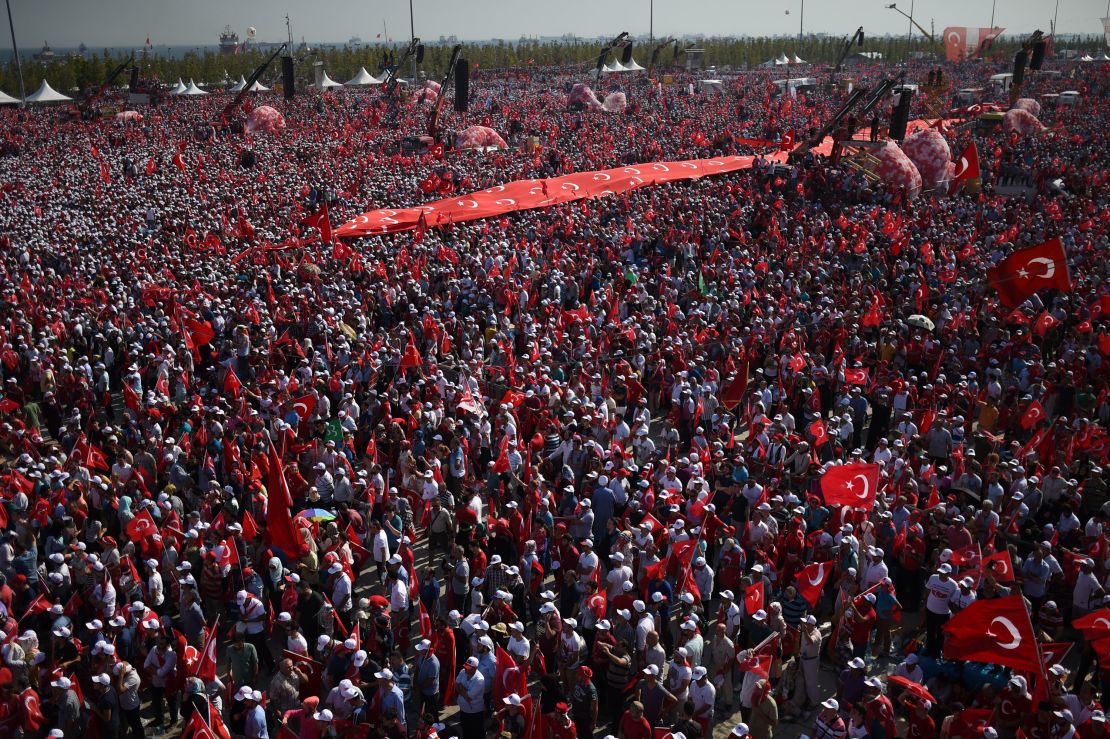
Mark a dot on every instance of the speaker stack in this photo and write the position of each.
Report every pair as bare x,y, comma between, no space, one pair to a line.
287,83
462,85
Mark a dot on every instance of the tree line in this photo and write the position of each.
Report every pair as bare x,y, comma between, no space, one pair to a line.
68,73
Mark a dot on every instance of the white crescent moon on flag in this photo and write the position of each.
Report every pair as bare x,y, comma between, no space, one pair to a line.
1049,267
820,575
1008,625
866,486
964,164
1102,621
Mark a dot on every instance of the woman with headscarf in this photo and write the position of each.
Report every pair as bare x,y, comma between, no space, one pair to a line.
275,583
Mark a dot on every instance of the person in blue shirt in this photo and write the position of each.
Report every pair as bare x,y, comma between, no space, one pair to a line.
390,695
487,664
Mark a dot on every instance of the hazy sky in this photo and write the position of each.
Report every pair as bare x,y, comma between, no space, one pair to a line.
196,22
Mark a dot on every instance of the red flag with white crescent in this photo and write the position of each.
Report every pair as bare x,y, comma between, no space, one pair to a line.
851,485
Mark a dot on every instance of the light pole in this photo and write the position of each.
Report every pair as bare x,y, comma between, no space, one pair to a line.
801,19
909,31
992,16
15,52
412,35
651,23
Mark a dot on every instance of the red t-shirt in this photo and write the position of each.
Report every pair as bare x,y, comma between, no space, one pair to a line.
635,728
862,623
920,727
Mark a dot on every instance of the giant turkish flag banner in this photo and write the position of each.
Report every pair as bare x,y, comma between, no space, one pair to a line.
1023,273
996,631
851,485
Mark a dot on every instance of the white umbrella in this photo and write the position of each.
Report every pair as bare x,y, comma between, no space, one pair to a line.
920,321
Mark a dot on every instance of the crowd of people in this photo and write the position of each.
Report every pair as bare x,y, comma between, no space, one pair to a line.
564,470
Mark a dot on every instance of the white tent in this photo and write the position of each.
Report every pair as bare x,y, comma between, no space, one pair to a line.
258,87
178,88
363,78
632,66
6,99
613,67
46,94
782,59
329,82
238,85
1086,58
192,89
798,60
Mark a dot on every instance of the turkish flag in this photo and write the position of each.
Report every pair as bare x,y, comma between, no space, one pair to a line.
322,222
1024,272
1095,624
967,169
753,597
734,391
141,527
1045,322
855,376
250,528
819,432
90,456
811,581
232,385
201,332
510,678
425,620
1053,653
206,664
411,357
999,563
852,485
1033,415
996,631
304,405
130,397
279,523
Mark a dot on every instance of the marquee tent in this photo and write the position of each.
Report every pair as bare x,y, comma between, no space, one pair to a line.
46,94
258,87
192,89
363,78
6,99
238,85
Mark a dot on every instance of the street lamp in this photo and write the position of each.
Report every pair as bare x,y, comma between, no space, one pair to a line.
913,23
15,52
412,35
801,19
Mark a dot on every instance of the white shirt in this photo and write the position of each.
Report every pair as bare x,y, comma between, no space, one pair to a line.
154,587
519,647
643,627
874,574
703,695
253,614
616,579
1085,585
940,593
471,690
399,596
341,593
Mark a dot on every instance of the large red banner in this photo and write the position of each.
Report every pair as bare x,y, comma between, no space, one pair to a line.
963,42
529,194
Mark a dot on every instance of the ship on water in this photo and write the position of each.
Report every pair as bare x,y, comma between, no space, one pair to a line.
46,55
229,41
